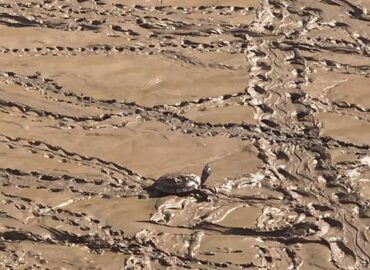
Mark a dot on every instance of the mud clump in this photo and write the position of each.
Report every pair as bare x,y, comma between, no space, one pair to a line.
100,98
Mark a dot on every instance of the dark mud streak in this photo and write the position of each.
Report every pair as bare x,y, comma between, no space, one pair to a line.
34,144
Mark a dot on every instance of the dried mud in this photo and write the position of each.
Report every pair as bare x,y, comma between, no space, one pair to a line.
99,98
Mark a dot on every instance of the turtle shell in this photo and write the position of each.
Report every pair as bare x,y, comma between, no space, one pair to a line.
177,183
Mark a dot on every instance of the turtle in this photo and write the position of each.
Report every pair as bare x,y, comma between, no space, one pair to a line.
176,183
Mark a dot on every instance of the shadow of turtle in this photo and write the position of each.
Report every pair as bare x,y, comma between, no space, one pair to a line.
199,194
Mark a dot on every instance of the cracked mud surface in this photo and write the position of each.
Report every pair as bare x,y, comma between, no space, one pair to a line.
99,98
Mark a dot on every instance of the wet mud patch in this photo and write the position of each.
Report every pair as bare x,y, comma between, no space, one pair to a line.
344,90
345,128
219,115
101,77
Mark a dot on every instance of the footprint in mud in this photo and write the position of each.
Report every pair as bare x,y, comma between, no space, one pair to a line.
342,255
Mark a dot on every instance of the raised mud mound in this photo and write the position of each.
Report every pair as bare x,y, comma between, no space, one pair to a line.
99,97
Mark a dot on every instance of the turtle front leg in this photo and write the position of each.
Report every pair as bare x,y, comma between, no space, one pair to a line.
201,196
153,193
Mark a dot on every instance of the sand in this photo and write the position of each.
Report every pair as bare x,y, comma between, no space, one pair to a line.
100,98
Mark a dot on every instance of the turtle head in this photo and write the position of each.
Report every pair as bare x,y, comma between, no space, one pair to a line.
205,174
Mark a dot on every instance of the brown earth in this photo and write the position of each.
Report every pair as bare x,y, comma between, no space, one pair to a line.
100,98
